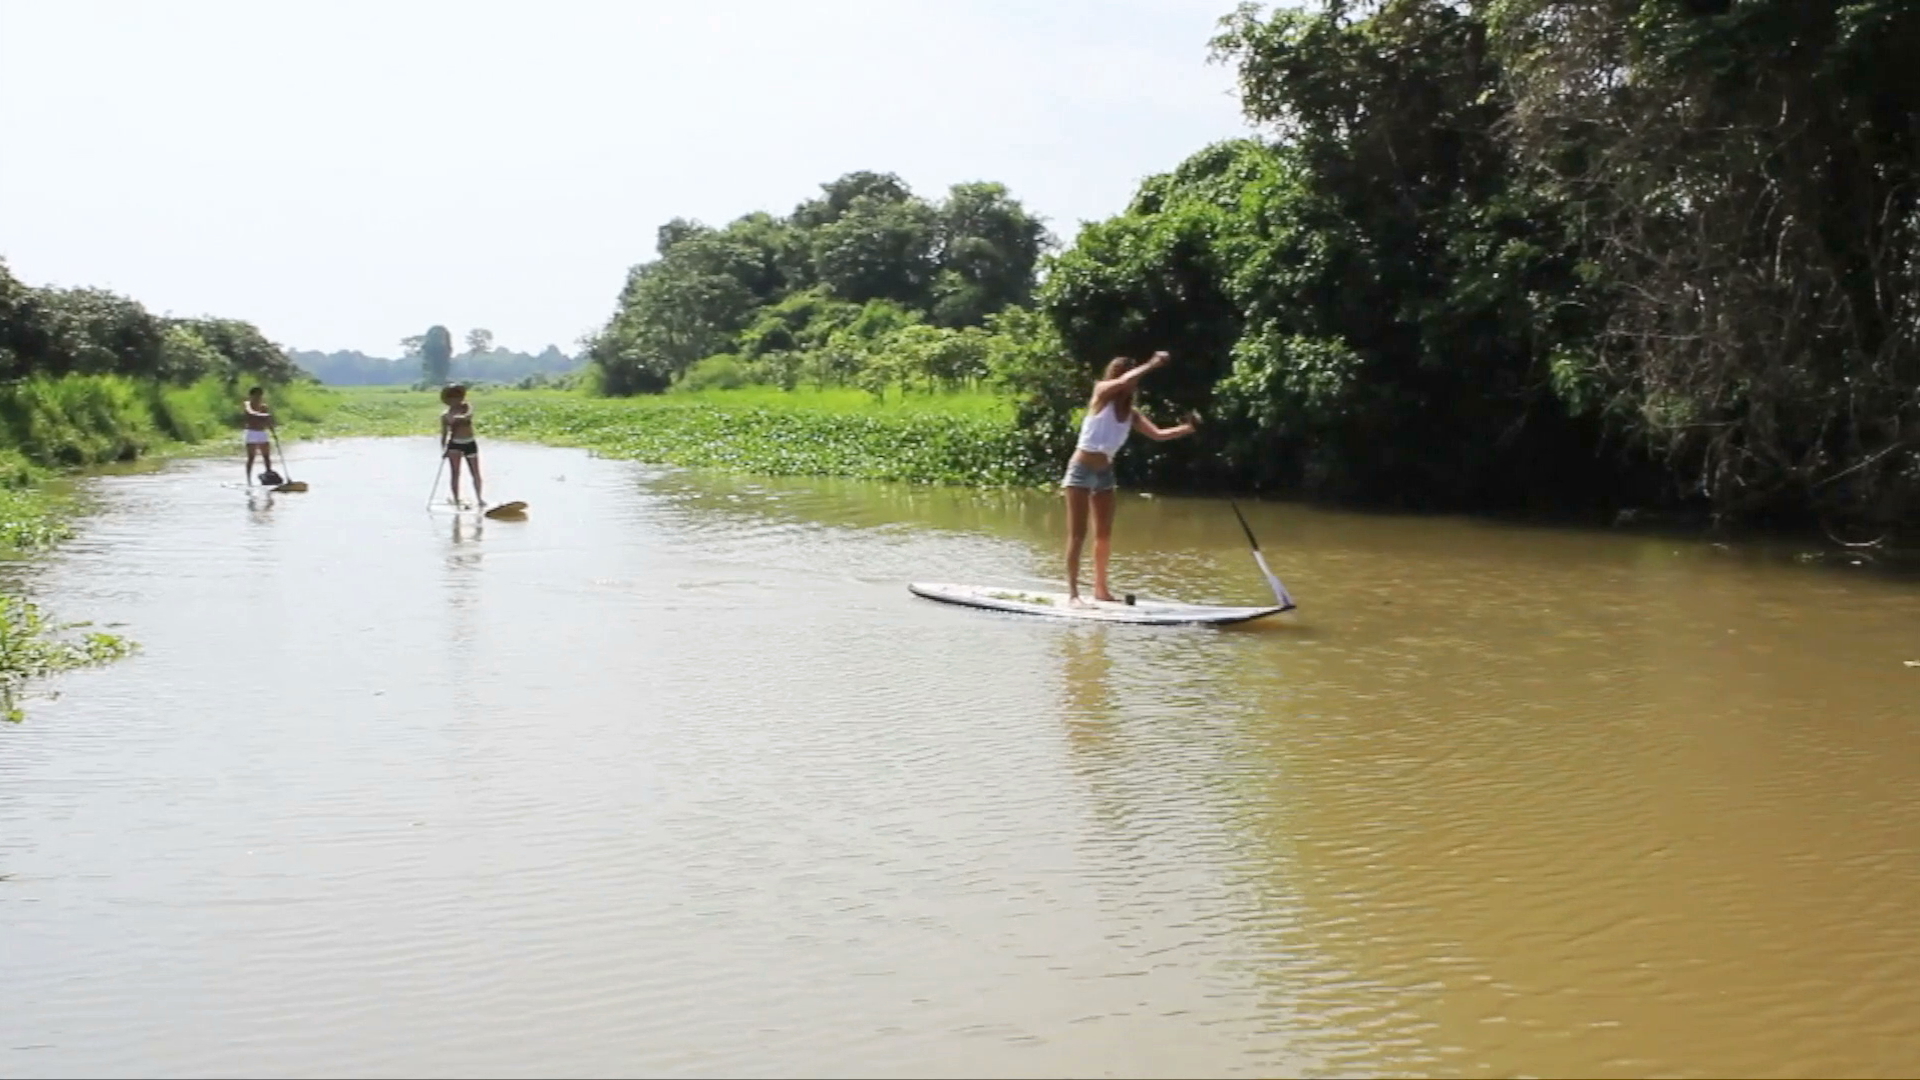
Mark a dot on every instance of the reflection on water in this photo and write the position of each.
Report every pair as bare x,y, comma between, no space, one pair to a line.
674,777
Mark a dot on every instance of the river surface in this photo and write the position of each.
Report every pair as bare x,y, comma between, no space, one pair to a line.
674,777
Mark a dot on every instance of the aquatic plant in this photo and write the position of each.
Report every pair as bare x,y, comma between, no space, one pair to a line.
29,651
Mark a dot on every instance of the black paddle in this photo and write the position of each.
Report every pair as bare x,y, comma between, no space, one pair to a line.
1279,591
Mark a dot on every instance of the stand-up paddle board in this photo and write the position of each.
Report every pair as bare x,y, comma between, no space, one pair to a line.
504,510
1056,605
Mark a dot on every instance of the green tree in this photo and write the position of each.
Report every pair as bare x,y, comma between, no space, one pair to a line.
58,332
479,341
801,322
96,332
838,196
878,250
245,352
1359,302
25,341
436,356
186,356
813,293
1746,185
986,247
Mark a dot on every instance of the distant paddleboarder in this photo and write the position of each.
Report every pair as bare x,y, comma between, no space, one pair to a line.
1111,414
259,434
457,441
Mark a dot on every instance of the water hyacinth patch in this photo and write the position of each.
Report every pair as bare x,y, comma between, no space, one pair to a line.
29,651
974,447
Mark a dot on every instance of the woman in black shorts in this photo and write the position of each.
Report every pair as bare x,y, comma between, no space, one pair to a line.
457,441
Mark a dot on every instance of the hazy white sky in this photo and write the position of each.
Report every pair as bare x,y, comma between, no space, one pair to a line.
345,173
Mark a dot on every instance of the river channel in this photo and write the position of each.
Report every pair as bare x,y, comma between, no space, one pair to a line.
674,777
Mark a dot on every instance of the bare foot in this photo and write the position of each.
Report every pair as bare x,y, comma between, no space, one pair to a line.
1105,598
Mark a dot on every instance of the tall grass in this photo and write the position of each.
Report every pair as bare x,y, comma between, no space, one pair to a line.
76,420
82,420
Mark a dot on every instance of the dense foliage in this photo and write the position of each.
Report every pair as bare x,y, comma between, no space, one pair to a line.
56,332
1547,254
1355,304
1743,181
1516,253
866,284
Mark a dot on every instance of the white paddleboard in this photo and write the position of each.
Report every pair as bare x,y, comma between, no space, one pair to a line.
1055,605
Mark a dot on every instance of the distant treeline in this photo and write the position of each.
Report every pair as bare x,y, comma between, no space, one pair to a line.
497,365
1547,254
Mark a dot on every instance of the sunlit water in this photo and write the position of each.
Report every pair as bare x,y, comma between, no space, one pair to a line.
675,777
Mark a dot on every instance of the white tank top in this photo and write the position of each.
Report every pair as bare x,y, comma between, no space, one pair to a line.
1102,432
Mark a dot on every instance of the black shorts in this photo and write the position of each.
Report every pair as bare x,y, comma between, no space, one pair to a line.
469,447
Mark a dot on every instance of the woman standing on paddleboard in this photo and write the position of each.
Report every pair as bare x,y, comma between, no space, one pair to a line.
1111,414
259,434
457,441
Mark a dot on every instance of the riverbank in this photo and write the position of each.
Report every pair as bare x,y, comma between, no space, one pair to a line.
961,439
54,430
955,438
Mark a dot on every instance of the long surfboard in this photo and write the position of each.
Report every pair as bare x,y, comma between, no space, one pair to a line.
1055,605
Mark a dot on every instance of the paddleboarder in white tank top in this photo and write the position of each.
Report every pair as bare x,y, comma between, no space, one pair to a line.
1111,414
259,434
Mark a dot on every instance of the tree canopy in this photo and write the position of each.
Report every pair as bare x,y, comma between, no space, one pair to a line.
1551,254
762,286
55,332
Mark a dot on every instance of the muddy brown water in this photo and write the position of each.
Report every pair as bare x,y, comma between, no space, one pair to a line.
675,778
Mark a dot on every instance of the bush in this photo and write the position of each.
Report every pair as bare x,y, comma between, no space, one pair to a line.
722,372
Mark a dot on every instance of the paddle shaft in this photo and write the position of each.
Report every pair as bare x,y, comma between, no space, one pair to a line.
1280,593
283,455
435,489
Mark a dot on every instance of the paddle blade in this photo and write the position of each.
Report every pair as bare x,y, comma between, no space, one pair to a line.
507,510
292,486
1280,594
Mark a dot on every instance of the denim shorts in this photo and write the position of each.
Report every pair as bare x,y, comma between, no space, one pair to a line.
1082,476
